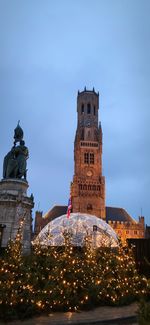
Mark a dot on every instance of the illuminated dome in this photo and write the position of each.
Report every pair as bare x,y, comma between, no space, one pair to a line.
78,225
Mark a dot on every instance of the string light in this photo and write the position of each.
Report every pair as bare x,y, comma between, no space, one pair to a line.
68,278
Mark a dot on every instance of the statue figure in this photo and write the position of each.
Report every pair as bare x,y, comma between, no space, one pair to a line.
10,165
21,155
18,133
15,164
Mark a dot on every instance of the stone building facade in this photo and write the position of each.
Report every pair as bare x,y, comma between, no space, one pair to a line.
15,206
124,225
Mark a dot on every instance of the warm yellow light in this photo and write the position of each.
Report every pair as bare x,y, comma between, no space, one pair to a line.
39,303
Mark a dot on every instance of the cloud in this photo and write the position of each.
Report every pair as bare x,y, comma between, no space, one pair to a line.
48,52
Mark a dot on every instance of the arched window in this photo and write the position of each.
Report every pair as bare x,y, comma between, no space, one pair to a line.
84,187
86,158
89,207
94,109
82,108
82,134
91,158
89,134
88,108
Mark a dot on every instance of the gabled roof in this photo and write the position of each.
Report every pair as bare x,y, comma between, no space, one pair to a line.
112,214
118,214
56,211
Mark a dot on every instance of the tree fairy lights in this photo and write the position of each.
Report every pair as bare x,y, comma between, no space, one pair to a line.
66,278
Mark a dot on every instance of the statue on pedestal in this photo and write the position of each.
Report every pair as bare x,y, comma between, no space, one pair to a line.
15,165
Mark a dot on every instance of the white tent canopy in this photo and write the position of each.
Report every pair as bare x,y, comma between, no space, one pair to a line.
78,225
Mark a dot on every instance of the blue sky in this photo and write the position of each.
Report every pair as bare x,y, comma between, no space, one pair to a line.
48,50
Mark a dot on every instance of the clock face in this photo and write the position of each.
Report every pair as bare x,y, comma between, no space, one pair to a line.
89,173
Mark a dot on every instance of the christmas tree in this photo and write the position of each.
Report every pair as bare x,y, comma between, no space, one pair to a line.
66,277
12,275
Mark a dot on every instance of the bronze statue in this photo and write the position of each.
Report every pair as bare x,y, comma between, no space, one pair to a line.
21,154
10,165
18,133
15,164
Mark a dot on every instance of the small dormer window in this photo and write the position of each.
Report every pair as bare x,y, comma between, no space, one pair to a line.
82,108
88,108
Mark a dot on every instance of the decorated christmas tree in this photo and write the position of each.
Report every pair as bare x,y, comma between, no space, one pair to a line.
66,277
12,275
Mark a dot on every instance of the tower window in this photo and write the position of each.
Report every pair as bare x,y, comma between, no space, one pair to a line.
89,134
80,186
89,207
82,108
86,158
88,108
94,110
82,134
91,158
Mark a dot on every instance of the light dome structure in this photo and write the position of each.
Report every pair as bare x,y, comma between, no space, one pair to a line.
78,225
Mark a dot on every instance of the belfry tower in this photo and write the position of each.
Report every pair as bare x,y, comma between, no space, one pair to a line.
88,186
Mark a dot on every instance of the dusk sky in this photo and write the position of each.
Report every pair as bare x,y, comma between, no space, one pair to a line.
48,50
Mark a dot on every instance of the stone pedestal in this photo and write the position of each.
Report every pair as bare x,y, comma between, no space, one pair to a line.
15,205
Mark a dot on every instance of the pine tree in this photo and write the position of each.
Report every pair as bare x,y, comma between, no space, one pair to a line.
74,278
42,263
12,275
120,282
67,277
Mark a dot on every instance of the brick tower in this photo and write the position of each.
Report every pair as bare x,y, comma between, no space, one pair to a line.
88,186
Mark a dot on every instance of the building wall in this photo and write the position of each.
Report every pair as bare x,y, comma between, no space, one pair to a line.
15,206
126,230
40,222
